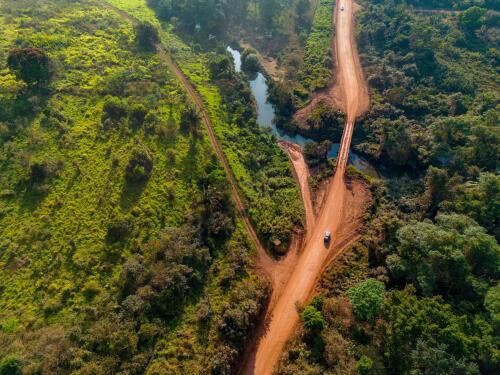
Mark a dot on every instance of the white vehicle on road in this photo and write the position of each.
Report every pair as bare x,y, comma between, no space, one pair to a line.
328,237
342,7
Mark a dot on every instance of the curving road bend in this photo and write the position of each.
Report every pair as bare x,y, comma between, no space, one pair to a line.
283,317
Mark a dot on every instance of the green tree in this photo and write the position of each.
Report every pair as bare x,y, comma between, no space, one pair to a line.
268,11
367,299
441,257
409,319
250,62
189,119
147,36
364,365
429,358
481,201
114,109
31,65
10,366
312,318
139,166
492,305
472,18
137,115
317,152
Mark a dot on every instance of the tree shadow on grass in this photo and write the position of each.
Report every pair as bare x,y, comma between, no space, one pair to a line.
190,162
33,195
131,193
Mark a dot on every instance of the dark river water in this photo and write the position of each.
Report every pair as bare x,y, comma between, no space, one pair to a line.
265,118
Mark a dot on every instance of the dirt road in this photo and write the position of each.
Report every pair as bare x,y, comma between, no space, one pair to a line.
283,316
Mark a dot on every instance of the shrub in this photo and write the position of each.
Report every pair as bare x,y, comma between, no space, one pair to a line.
189,120
114,109
39,172
137,115
118,230
250,62
10,366
367,299
473,18
312,318
364,365
317,152
147,36
139,166
30,64
91,289
221,67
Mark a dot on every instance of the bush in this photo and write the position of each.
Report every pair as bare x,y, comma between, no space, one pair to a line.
312,318
367,299
189,120
30,64
364,365
118,230
250,62
317,152
10,366
147,36
114,109
139,166
473,18
137,115
39,172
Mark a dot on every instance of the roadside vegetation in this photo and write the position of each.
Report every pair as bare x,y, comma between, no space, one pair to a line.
418,294
316,71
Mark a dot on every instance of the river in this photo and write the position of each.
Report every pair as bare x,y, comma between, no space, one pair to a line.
265,118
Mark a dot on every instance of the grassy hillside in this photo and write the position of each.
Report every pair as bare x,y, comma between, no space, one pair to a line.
261,168
115,218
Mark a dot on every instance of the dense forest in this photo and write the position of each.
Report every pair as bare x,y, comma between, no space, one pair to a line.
121,251
419,294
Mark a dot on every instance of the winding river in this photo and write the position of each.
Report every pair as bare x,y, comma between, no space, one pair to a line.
265,118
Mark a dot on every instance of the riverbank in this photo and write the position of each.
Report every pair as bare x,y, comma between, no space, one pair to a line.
266,116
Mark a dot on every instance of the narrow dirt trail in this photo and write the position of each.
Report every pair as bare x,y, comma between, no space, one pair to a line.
283,318
265,262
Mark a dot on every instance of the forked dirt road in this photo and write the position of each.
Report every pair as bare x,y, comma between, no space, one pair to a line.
283,318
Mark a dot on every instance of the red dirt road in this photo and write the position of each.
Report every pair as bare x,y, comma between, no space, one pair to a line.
282,317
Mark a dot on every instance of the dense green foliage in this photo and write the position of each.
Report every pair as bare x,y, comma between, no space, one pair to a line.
261,168
216,16
316,71
432,235
367,299
433,91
